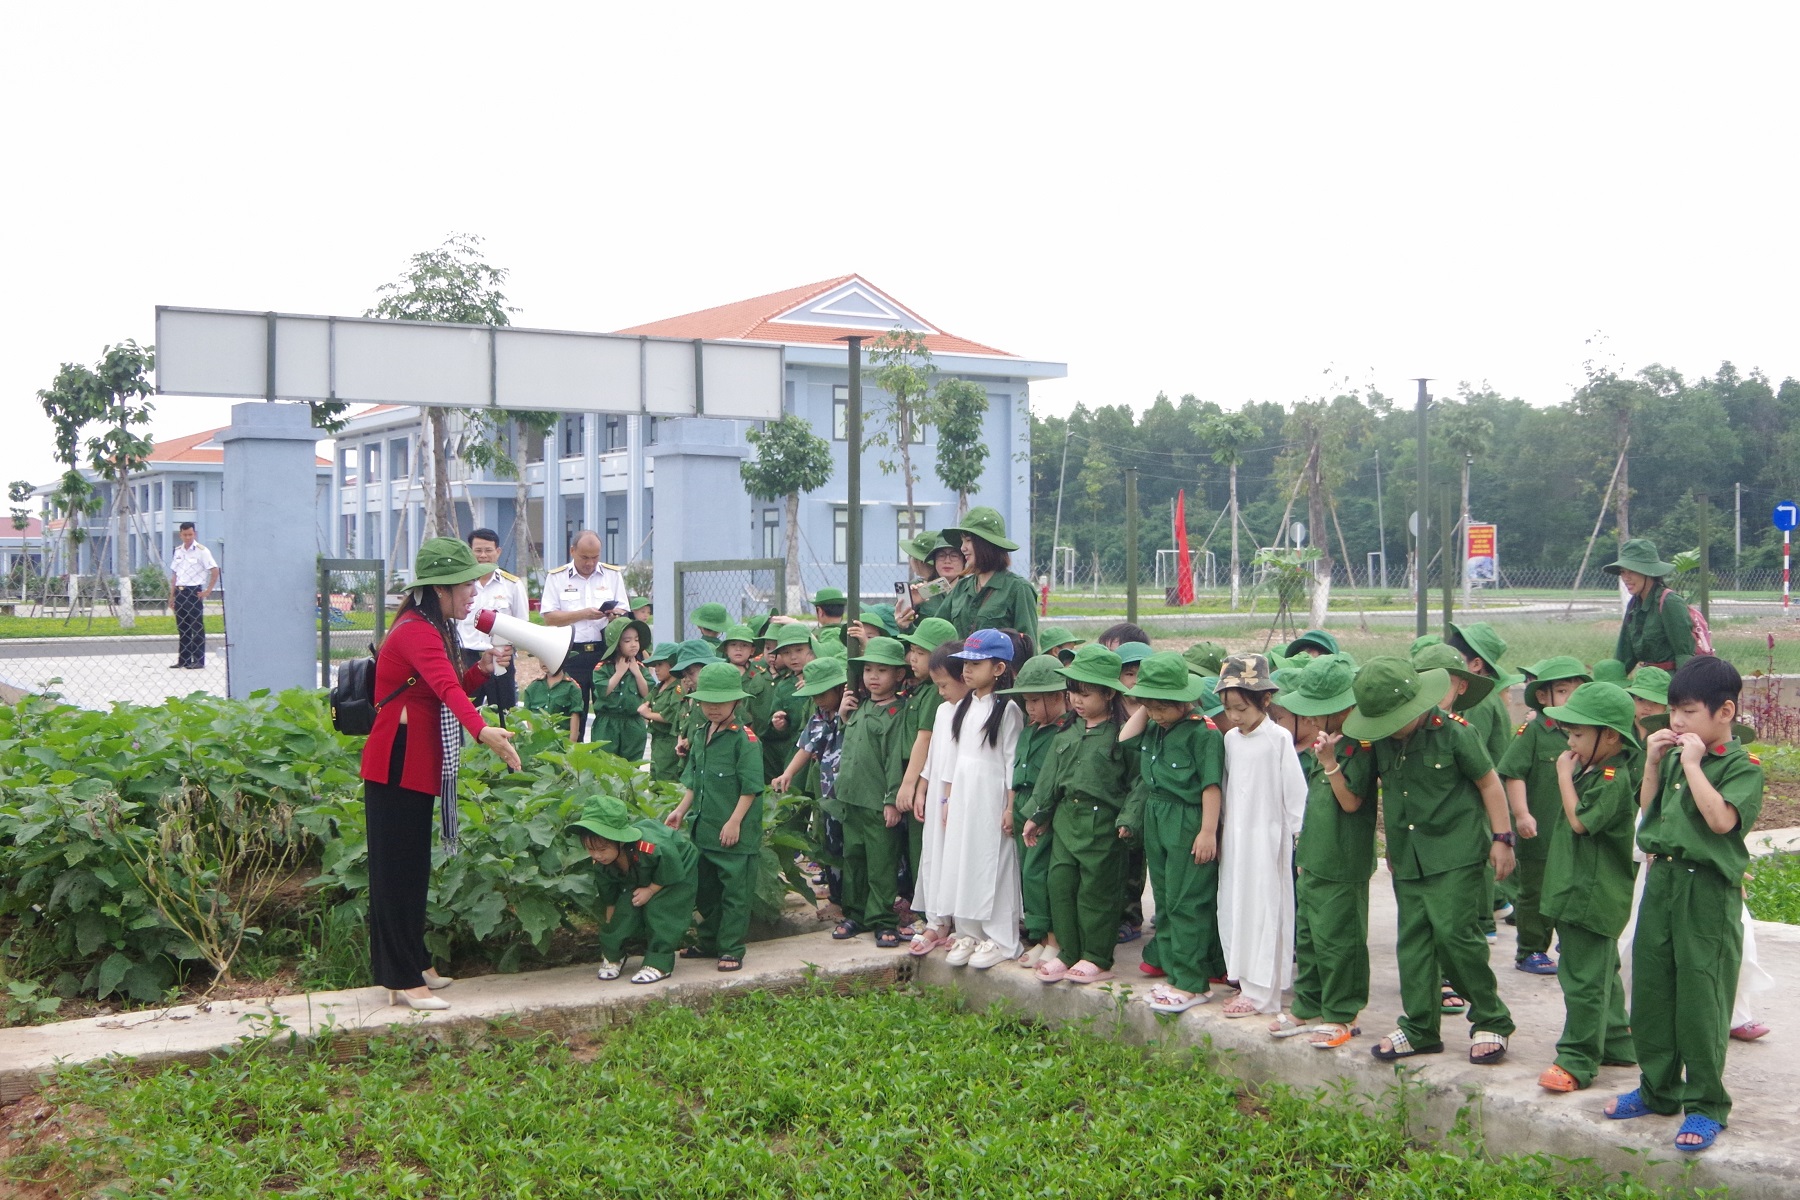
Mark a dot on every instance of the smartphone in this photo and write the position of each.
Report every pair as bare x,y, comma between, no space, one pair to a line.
899,589
933,587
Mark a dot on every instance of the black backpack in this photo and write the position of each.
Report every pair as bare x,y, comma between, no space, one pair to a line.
353,705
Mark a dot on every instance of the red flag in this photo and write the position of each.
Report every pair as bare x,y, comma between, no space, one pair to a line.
1184,584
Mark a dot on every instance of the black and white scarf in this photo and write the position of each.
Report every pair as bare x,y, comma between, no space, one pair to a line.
450,741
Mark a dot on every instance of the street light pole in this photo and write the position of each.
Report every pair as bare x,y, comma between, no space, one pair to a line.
853,484
1056,532
1423,506
1380,520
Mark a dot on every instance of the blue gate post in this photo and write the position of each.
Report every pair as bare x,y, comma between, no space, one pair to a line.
702,511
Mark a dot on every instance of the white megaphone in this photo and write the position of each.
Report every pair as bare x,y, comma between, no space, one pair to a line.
549,645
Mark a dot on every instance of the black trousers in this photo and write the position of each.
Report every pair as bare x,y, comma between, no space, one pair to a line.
579,666
190,626
399,827
501,691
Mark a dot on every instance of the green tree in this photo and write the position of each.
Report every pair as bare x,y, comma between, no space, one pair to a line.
962,444
901,369
790,459
19,493
1229,435
453,284
486,445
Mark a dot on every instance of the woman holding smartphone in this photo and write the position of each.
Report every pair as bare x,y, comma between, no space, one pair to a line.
936,566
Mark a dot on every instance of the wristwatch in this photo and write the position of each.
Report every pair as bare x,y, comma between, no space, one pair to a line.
1508,839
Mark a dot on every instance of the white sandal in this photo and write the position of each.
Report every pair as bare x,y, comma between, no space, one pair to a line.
608,970
649,975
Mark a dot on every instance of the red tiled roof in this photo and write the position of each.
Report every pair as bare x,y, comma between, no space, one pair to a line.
34,528
753,320
192,448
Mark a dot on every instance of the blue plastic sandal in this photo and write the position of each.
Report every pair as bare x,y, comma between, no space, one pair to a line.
1705,1126
1537,964
1628,1105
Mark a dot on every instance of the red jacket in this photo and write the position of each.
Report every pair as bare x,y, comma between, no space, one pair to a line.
413,648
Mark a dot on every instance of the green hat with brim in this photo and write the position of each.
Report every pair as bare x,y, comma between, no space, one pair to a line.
1249,673
1204,658
1604,704
984,523
1133,652
921,548
1649,683
1389,694
931,633
615,633
720,683
695,651
607,817
882,617
446,562
640,602
712,616
1210,704
1094,664
793,635
1484,641
882,652
664,652
1639,554
739,633
1316,638
821,675
1554,669
1445,658
1424,640
829,596
1053,637
1038,674
1322,688
1164,676
1609,670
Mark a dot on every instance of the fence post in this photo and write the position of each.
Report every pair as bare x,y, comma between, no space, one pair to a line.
1705,531
1131,545
324,623
1449,556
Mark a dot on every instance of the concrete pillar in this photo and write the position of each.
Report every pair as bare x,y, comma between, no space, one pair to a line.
270,601
702,510
634,484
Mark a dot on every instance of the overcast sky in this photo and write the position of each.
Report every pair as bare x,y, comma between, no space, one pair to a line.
1162,198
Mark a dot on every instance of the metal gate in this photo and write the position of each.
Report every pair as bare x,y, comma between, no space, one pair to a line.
350,633
747,587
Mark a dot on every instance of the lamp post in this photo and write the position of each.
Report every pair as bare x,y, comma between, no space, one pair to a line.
853,484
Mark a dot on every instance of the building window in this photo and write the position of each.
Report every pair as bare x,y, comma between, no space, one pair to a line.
612,540
156,496
574,431
840,534
372,462
771,523
911,523
615,433
346,467
398,466
840,412
349,535
182,493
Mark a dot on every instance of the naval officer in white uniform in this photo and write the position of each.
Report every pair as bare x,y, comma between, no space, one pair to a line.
583,592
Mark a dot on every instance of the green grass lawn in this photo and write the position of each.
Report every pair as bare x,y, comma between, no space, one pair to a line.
1773,892
872,1094
147,625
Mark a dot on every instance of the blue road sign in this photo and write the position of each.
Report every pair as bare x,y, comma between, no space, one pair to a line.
1786,515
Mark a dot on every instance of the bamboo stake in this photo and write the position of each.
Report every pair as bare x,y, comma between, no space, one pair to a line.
1598,521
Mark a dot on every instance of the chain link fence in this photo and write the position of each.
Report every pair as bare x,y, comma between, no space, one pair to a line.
747,587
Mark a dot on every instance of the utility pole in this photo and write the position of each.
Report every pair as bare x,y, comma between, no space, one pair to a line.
853,483
1056,533
1131,545
1462,556
1737,538
1705,541
1424,504
1449,553
1380,520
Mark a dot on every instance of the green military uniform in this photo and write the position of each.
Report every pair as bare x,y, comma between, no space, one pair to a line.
1659,632
778,746
868,780
562,700
1006,601
1336,858
666,702
724,764
1086,776
1034,861
661,856
922,705
617,723
1690,941
1175,767
1532,758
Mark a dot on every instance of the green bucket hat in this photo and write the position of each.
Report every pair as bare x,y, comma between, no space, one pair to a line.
1484,641
1319,689
1132,652
931,633
882,652
1313,637
921,548
1249,673
711,616
1389,693
1424,640
1639,554
607,817
1603,704
821,675
1649,683
640,602
1164,676
695,651
615,631
1039,673
1052,637
882,617
720,683
1204,658
664,652
828,596
985,523
1609,670
738,633
1094,664
1443,658
793,635
1210,704
446,562
1554,669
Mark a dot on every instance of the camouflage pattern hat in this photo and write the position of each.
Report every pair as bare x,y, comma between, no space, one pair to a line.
1247,672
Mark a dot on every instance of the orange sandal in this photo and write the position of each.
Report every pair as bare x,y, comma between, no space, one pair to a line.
1331,1035
1555,1079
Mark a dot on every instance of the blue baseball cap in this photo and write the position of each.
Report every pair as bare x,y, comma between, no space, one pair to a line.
986,643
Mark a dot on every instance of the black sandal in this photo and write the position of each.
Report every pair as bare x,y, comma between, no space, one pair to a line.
846,929
1450,1002
695,952
887,939
730,962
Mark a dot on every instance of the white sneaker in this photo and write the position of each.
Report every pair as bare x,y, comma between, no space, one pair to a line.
987,954
961,950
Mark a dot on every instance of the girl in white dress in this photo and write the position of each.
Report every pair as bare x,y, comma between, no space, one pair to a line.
977,876
928,806
1265,797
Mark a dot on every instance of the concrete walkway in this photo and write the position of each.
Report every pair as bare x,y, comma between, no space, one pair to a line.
1759,1156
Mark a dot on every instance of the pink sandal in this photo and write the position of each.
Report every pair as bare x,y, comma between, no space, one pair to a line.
1086,972
1749,1031
925,941
1238,1008
1052,970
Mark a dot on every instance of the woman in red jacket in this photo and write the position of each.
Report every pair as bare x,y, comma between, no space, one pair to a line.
410,760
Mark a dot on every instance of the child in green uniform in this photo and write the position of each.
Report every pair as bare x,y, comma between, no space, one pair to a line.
691,657
922,701
647,881
1175,807
559,696
660,712
824,683
787,709
868,789
828,607
621,686
711,620
1445,815
738,647
1587,880
1044,695
1529,769
1059,643
724,782
1475,697
1085,780
1702,793
1335,856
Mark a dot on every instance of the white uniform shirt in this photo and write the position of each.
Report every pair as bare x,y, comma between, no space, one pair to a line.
192,565
504,593
565,591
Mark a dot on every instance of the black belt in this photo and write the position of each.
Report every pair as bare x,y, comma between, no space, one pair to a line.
187,587
585,648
